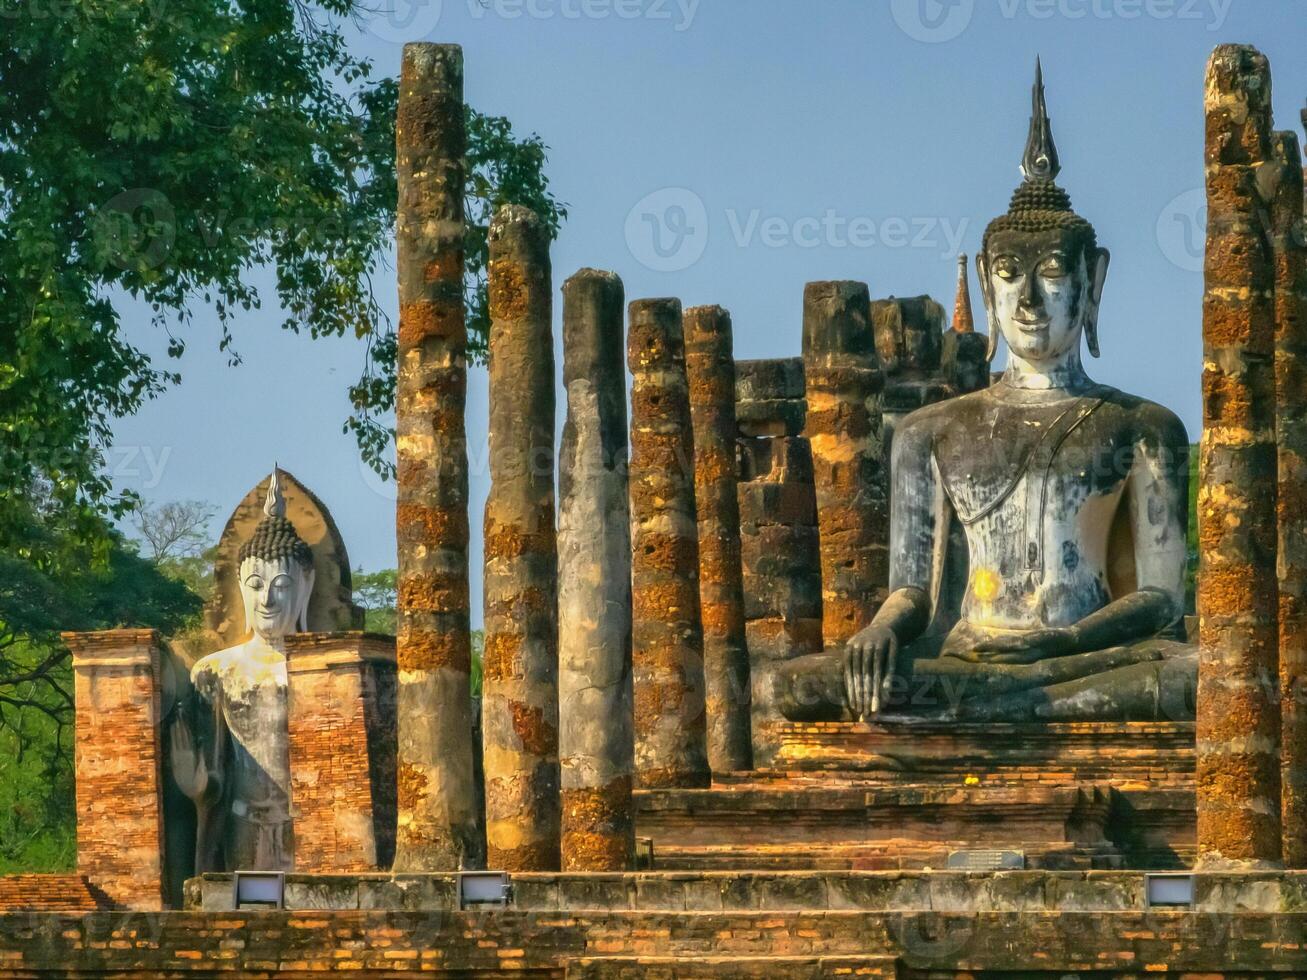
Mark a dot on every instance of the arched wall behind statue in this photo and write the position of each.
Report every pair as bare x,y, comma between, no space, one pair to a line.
331,607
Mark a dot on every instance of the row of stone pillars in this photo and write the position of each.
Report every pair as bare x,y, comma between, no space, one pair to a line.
604,666
1252,503
650,685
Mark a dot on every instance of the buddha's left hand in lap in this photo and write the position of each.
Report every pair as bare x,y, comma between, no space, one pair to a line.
1025,648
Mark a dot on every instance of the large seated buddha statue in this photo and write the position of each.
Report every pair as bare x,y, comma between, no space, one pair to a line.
1038,527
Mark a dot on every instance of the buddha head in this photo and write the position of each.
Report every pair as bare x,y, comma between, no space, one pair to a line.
1041,268
276,572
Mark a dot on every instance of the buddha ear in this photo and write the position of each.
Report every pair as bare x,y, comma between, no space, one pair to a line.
987,295
1098,262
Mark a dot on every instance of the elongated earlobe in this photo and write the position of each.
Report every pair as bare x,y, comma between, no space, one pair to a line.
1098,276
987,295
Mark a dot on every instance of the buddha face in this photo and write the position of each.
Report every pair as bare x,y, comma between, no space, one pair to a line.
275,594
1042,292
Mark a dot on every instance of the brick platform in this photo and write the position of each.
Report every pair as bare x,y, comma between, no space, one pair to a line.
725,926
903,795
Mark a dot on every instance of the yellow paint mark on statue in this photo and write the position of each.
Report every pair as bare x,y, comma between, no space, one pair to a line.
985,585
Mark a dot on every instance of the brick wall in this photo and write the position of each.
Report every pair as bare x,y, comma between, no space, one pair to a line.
119,765
341,725
559,944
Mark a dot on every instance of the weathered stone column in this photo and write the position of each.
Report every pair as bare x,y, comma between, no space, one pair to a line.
1289,246
844,385
666,630
909,344
596,735
1238,770
520,668
118,759
710,367
340,718
438,827
778,534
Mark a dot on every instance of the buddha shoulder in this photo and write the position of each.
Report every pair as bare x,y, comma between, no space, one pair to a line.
243,665
953,415
1148,422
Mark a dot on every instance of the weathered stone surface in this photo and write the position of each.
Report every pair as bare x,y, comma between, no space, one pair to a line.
119,765
1289,249
778,532
341,722
596,738
520,687
1238,703
909,332
710,368
696,892
769,397
438,818
844,386
667,634
331,606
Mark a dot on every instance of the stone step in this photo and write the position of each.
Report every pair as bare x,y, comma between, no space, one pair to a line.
887,855
728,967
1159,754
836,823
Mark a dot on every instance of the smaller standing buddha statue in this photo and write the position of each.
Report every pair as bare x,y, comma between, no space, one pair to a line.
232,759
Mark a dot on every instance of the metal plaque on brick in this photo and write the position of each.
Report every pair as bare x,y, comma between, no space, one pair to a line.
986,860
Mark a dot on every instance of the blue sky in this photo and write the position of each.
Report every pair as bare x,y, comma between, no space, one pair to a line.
728,151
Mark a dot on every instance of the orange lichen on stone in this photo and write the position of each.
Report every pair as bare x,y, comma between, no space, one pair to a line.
445,267
439,317
428,649
508,541
538,734
509,292
431,527
434,592
501,658
412,784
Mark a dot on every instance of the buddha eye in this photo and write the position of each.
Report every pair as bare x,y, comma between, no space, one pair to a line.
254,582
1006,268
281,582
1053,267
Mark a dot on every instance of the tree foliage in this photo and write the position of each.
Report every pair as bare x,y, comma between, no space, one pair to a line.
47,585
162,151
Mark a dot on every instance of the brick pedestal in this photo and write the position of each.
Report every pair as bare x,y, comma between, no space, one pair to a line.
119,762
342,750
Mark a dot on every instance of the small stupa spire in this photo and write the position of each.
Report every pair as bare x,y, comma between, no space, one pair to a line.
963,321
